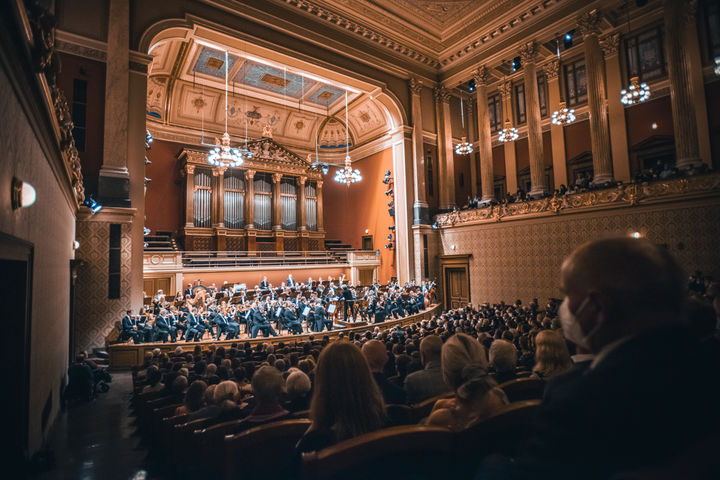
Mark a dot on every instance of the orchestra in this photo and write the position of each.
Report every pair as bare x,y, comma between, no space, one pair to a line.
296,307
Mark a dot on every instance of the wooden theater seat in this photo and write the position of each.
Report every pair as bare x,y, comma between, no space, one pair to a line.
416,452
521,389
423,409
266,451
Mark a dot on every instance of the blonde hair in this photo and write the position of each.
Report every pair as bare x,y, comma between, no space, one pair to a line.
462,357
551,354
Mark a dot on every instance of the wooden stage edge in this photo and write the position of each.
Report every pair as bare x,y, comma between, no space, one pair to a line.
124,356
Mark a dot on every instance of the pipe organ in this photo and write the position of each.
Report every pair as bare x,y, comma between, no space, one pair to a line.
272,202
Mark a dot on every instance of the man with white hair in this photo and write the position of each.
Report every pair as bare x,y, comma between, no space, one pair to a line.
503,358
428,382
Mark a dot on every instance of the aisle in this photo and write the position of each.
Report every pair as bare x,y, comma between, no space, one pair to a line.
98,440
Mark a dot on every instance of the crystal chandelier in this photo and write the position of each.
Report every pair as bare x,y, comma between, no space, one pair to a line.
636,93
223,155
464,147
563,115
509,133
346,174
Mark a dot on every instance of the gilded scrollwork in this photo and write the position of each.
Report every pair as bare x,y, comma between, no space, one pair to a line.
623,195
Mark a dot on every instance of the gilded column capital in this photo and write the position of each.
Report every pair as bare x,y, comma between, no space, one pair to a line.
249,174
415,86
441,94
528,53
589,23
481,76
505,90
302,180
218,171
277,177
610,44
318,184
551,69
189,169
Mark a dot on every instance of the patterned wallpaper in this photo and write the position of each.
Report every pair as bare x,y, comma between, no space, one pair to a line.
521,259
95,314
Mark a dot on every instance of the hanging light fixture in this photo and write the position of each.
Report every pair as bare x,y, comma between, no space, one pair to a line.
563,115
346,174
223,155
464,147
636,92
509,133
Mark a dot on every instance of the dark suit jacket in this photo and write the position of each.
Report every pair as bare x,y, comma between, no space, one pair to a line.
646,401
425,383
127,323
392,394
263,284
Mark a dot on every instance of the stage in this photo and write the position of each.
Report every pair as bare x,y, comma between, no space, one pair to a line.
128,355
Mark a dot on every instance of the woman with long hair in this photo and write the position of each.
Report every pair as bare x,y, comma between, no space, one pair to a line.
551,355
464,367
346,401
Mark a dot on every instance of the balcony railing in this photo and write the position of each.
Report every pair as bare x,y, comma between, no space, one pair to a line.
260,259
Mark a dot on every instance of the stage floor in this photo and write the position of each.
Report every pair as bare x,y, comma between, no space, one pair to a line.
127,355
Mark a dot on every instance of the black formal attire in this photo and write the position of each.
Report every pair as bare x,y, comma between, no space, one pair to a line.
195,329
290,282
392,394
291,322
264,285
348,304
321,319
127,329
380,312
163,328
261,323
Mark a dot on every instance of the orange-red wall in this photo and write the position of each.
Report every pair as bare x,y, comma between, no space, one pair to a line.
577,139
275,277
462,174
165,197
350,210
93,73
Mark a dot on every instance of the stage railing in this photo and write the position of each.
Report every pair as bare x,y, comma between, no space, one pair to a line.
261,259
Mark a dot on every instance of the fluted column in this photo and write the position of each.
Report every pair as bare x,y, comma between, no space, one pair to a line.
599,128
445,150
218,195
189,172
276,209
301,222
538,182
677,14
509,147
250,199
616,109
557,133
484,135
421,213
472,158
319,195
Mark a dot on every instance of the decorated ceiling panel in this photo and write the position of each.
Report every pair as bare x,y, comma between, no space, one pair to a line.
275,80
212,62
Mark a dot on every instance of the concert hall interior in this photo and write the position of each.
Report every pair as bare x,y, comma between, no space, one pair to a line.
351,238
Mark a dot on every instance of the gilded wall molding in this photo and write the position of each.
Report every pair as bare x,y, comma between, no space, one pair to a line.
622,196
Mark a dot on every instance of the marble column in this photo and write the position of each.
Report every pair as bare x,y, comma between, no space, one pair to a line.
557,133
276,208
189,172
421,212
250,199
472,158
301,222
445,150
114,178
616,109
484,135
319,195
599,127
677,14
538,182
218,195
511,179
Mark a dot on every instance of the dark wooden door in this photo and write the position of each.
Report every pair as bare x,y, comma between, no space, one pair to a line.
457,292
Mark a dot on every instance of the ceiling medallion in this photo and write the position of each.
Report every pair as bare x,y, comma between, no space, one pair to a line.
636,93
346,174
464,147
563,116
509,133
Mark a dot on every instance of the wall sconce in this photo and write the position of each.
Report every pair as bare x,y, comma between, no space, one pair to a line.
76,244
23,194
367,231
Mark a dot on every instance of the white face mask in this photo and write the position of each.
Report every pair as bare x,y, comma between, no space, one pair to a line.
570,326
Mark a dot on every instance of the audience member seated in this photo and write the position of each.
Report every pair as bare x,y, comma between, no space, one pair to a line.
267,384
298,387
631,409
428,382
551,355
346,400
194,400
503,360
153,378
465,370
376,355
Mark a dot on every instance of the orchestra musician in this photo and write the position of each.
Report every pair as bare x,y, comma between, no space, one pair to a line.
264,284
321,319
348,303
260,322
290,282
129,328
290,320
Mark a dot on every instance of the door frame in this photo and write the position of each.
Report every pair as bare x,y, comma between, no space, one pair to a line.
454,261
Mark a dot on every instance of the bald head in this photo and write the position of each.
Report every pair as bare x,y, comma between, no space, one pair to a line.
375,354
430,349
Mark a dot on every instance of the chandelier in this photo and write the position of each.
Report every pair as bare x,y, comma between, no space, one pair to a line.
636,93
563,116
509,133
223,155
346,174
464,147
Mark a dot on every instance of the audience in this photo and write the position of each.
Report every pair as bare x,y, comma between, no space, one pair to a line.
376,355
551,355
298,389
267,385
503,359
193,398
428,382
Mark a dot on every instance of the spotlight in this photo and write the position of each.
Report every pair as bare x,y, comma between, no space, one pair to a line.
146,231
389,245
568,39
516,64
23,194
471,85
391,211
325,168
392,228
387,173
386,180
389,192
391,204
92,205
389,237
76,244
435,226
